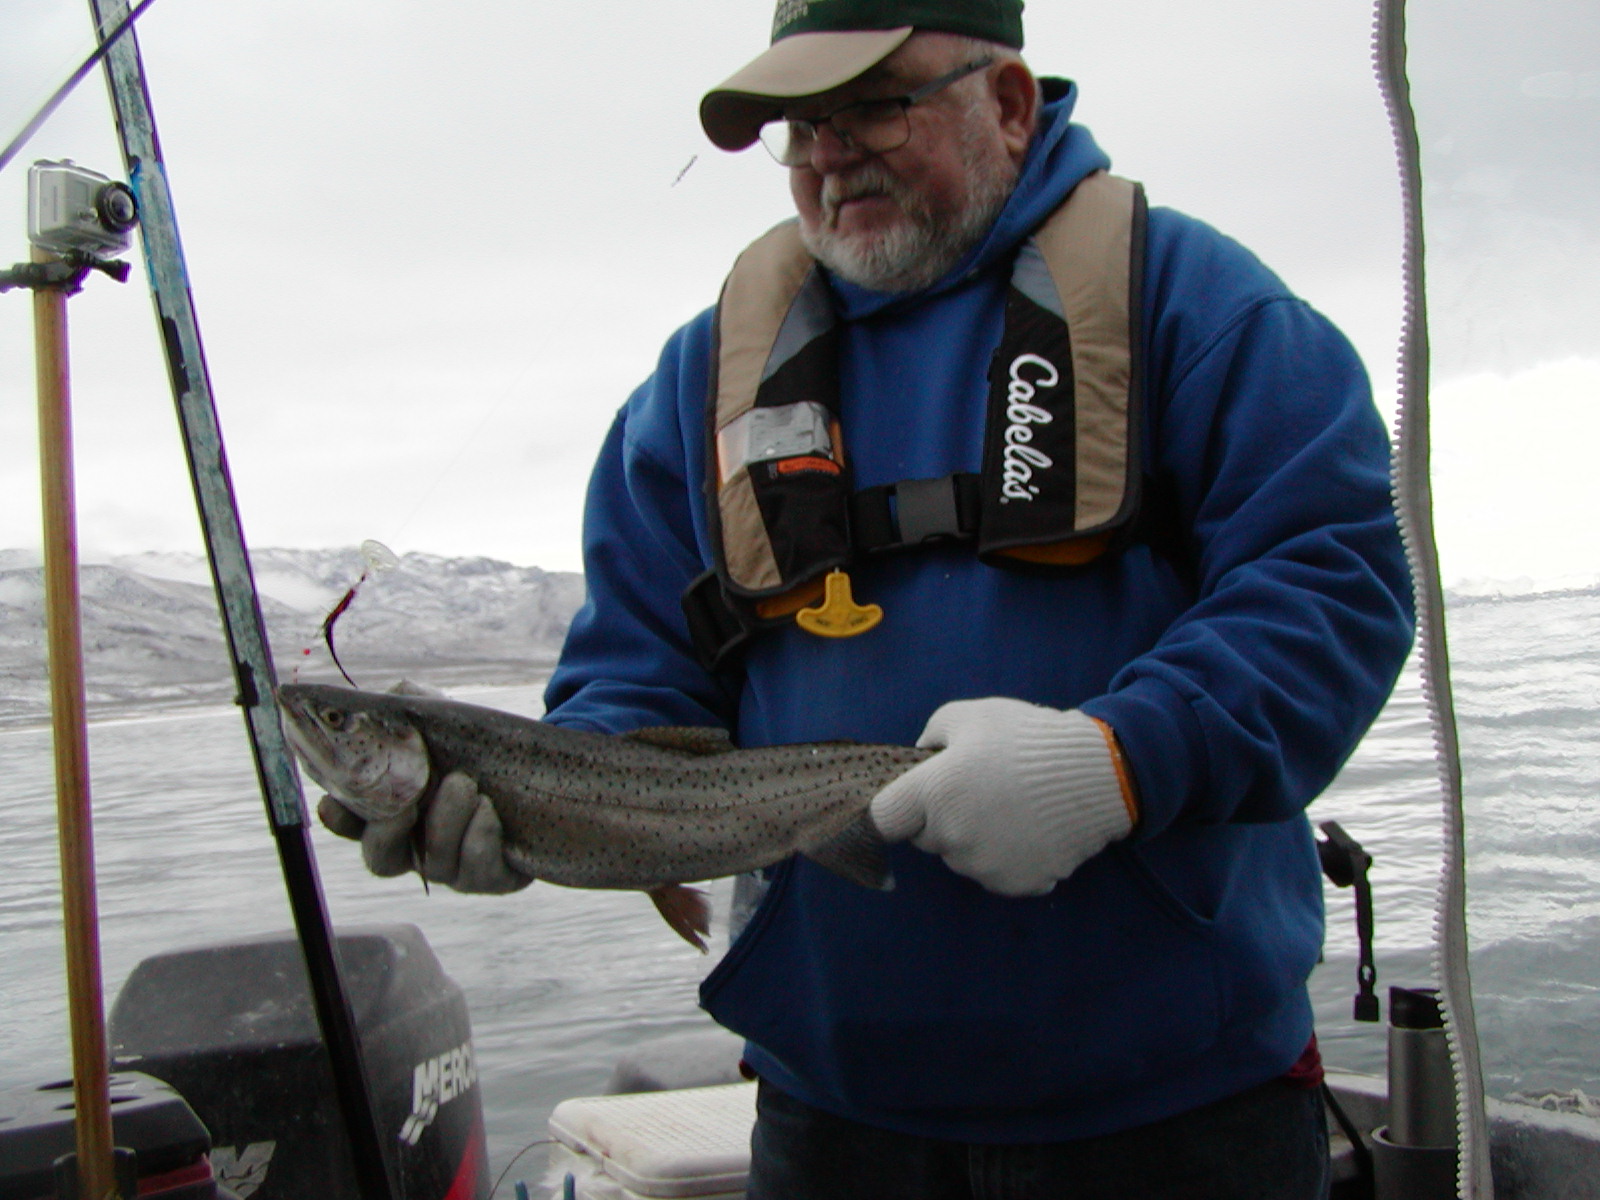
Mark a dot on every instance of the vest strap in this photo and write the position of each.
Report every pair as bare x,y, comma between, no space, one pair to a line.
897,515
720,627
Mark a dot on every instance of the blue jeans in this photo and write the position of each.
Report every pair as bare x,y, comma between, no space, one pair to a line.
1268,1143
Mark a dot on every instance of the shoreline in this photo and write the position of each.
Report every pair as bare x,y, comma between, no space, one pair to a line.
22,714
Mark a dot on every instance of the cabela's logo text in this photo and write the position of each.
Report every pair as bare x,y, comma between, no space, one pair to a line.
1020,459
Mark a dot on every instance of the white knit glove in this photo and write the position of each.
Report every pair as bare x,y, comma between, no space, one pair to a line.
1018,798
463,845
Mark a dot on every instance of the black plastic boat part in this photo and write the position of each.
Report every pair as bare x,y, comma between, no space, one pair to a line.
161,1137
231,1027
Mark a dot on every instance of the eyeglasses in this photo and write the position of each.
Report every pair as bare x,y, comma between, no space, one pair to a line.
869,126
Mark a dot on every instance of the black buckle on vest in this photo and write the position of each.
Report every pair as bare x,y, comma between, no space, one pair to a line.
891,517
898,515
717,628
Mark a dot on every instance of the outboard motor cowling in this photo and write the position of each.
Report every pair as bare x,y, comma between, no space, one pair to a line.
231,1027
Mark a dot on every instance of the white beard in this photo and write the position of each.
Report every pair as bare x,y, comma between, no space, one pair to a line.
919,247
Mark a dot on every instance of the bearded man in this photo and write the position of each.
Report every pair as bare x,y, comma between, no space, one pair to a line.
1113,510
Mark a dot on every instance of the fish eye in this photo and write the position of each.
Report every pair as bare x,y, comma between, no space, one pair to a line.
333,718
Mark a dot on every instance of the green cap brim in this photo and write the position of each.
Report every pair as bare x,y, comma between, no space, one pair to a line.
802,64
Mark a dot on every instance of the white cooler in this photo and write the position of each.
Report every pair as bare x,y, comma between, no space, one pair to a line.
689,1143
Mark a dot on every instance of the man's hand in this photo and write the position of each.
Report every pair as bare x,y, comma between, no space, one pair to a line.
463,846
1018,797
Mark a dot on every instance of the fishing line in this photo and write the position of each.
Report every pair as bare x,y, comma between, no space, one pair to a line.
378,559
73,80
463,445
491,411
377,556
502,1176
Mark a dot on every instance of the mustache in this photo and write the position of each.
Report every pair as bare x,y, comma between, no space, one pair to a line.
868,179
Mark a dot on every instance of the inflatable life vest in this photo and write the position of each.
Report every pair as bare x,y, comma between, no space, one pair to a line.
1061,482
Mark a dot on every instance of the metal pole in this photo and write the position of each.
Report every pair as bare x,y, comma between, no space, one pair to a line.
80,914
236,594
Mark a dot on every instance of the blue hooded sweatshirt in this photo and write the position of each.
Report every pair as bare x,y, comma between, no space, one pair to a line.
1168,971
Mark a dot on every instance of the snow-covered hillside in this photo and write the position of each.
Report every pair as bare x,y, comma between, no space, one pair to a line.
151,631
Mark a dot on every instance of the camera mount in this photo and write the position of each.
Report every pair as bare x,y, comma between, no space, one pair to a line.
64,274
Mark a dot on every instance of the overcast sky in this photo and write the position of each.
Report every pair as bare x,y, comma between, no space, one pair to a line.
433,247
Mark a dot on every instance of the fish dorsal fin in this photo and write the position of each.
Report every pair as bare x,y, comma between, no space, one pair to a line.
686,739
410,687
856,854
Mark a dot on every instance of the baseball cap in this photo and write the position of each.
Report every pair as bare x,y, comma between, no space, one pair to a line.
820,44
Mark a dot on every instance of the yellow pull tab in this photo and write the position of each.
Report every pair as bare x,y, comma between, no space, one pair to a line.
838,616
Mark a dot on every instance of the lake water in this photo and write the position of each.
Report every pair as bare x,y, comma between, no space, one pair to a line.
561,982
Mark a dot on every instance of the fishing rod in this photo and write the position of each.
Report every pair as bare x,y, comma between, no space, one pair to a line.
236,593
73,80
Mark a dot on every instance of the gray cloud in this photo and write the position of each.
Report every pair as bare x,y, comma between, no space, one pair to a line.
1508,106
434,247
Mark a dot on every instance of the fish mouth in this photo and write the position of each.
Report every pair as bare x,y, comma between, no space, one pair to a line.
301,732
309,743
375,768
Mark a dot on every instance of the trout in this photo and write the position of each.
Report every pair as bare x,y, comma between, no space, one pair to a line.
649,810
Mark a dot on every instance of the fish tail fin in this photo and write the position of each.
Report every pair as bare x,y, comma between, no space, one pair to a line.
687,910
856,853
